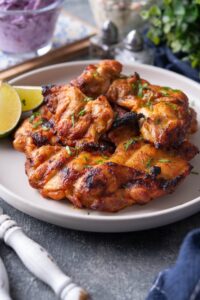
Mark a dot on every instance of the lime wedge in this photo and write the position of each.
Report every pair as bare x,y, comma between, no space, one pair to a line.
30,96
10,109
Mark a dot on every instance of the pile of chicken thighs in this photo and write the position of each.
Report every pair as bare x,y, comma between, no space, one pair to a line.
106,141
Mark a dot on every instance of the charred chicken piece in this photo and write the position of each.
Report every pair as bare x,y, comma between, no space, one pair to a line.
125,123
79,119
55,169
67,118
96,79
136,173
39,127
167,118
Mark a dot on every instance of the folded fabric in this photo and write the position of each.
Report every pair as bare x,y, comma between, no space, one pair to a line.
166,59
182,281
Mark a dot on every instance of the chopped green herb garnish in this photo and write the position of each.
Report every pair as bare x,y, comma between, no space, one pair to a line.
133,86
95,74
86,158
170,89
145,85
141,87
140,90
87,166
23,102
131,141
82,112
37,124
164,160
76,148
45,128
99,161
104,156
176,91
37,113
166,88
33,116
195,173
73,120
87,99
68,150
149,162
172,105
164,93
128,143
149,104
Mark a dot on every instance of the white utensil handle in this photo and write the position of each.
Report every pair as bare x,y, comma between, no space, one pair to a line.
38,261
4,284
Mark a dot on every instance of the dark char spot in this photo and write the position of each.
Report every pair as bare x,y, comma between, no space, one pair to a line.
155,171
127,119
39,140
46,88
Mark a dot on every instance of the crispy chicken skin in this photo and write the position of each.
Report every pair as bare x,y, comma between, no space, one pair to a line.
96,79
78,119
39,126
67,118
107,141
136,173
167,116
54,170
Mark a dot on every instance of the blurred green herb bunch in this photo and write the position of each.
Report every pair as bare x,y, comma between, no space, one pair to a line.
177,24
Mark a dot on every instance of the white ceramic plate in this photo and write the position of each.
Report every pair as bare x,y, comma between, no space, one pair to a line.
14,187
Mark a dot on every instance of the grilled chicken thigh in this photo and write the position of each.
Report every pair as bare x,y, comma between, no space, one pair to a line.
67,118
140,173
107,141
39,127
79,119
167,118
136,173
96,79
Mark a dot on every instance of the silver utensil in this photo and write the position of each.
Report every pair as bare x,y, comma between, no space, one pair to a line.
38,261
4,283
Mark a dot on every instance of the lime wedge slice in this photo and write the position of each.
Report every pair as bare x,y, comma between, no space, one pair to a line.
30,96
10,109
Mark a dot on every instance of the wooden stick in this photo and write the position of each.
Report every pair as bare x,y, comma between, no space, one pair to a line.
58,55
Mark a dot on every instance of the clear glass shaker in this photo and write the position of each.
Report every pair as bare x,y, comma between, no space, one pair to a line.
132,49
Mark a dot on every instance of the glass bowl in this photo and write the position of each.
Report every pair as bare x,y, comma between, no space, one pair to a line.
29,30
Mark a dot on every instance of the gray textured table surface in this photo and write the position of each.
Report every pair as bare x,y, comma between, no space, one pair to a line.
109,266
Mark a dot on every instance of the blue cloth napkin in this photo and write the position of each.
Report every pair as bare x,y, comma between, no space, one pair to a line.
182,281
165,58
